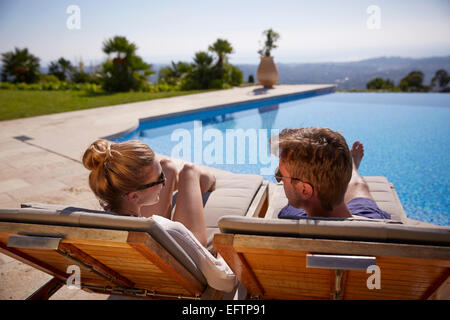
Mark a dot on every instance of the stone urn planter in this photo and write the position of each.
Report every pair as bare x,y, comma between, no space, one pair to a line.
267,72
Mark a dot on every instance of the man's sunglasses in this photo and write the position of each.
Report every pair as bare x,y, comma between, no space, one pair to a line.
161,179
279,177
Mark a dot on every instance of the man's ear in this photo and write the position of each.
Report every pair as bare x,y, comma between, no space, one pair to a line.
305,190
308,189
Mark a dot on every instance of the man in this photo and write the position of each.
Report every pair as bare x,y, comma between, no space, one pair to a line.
320,176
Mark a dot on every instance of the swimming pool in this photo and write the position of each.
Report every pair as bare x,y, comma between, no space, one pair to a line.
405,136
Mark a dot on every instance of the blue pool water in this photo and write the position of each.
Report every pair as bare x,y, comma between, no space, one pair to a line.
405,136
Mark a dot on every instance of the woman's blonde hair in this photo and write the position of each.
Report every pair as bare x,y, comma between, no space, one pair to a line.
116,169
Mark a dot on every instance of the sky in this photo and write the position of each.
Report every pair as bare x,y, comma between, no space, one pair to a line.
173,30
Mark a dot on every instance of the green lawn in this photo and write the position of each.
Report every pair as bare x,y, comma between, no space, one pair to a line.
26,103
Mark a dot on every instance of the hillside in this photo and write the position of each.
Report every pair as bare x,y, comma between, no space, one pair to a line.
354,75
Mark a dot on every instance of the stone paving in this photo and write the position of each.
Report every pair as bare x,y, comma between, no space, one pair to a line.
47,167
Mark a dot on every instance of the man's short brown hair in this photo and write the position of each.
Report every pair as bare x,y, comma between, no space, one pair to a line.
320,157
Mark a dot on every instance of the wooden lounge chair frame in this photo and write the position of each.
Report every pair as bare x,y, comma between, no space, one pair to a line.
115,262
276,265
54,255
276,268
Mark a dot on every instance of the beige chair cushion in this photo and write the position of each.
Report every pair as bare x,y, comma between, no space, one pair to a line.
233,196
386,197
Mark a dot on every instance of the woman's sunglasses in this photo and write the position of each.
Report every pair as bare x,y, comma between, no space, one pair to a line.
161,179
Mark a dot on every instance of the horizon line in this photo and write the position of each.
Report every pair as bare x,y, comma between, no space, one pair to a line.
97,62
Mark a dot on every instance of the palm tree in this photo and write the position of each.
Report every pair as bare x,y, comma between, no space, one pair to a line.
181,68
221,47
202,72
121,47
61,69
20,66
126,71
202,59
175,73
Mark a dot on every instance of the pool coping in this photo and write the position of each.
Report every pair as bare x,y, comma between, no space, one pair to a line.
325,89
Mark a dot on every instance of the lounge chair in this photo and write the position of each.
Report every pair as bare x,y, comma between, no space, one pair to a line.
130,256
314,258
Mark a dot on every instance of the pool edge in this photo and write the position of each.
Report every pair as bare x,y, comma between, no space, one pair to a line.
327,89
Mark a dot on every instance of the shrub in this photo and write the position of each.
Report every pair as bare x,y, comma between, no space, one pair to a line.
237,77
80,77
90,87
380,84
160,87
52,86
413,82
21,86
47,78
6,85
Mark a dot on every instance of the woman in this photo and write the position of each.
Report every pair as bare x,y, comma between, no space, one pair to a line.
129,179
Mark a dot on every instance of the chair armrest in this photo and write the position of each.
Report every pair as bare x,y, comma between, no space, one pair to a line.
259,205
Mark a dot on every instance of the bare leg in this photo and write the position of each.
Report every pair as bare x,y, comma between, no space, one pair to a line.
357,188
164,206
189,208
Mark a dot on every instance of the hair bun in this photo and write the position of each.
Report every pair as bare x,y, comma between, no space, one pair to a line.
96,154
